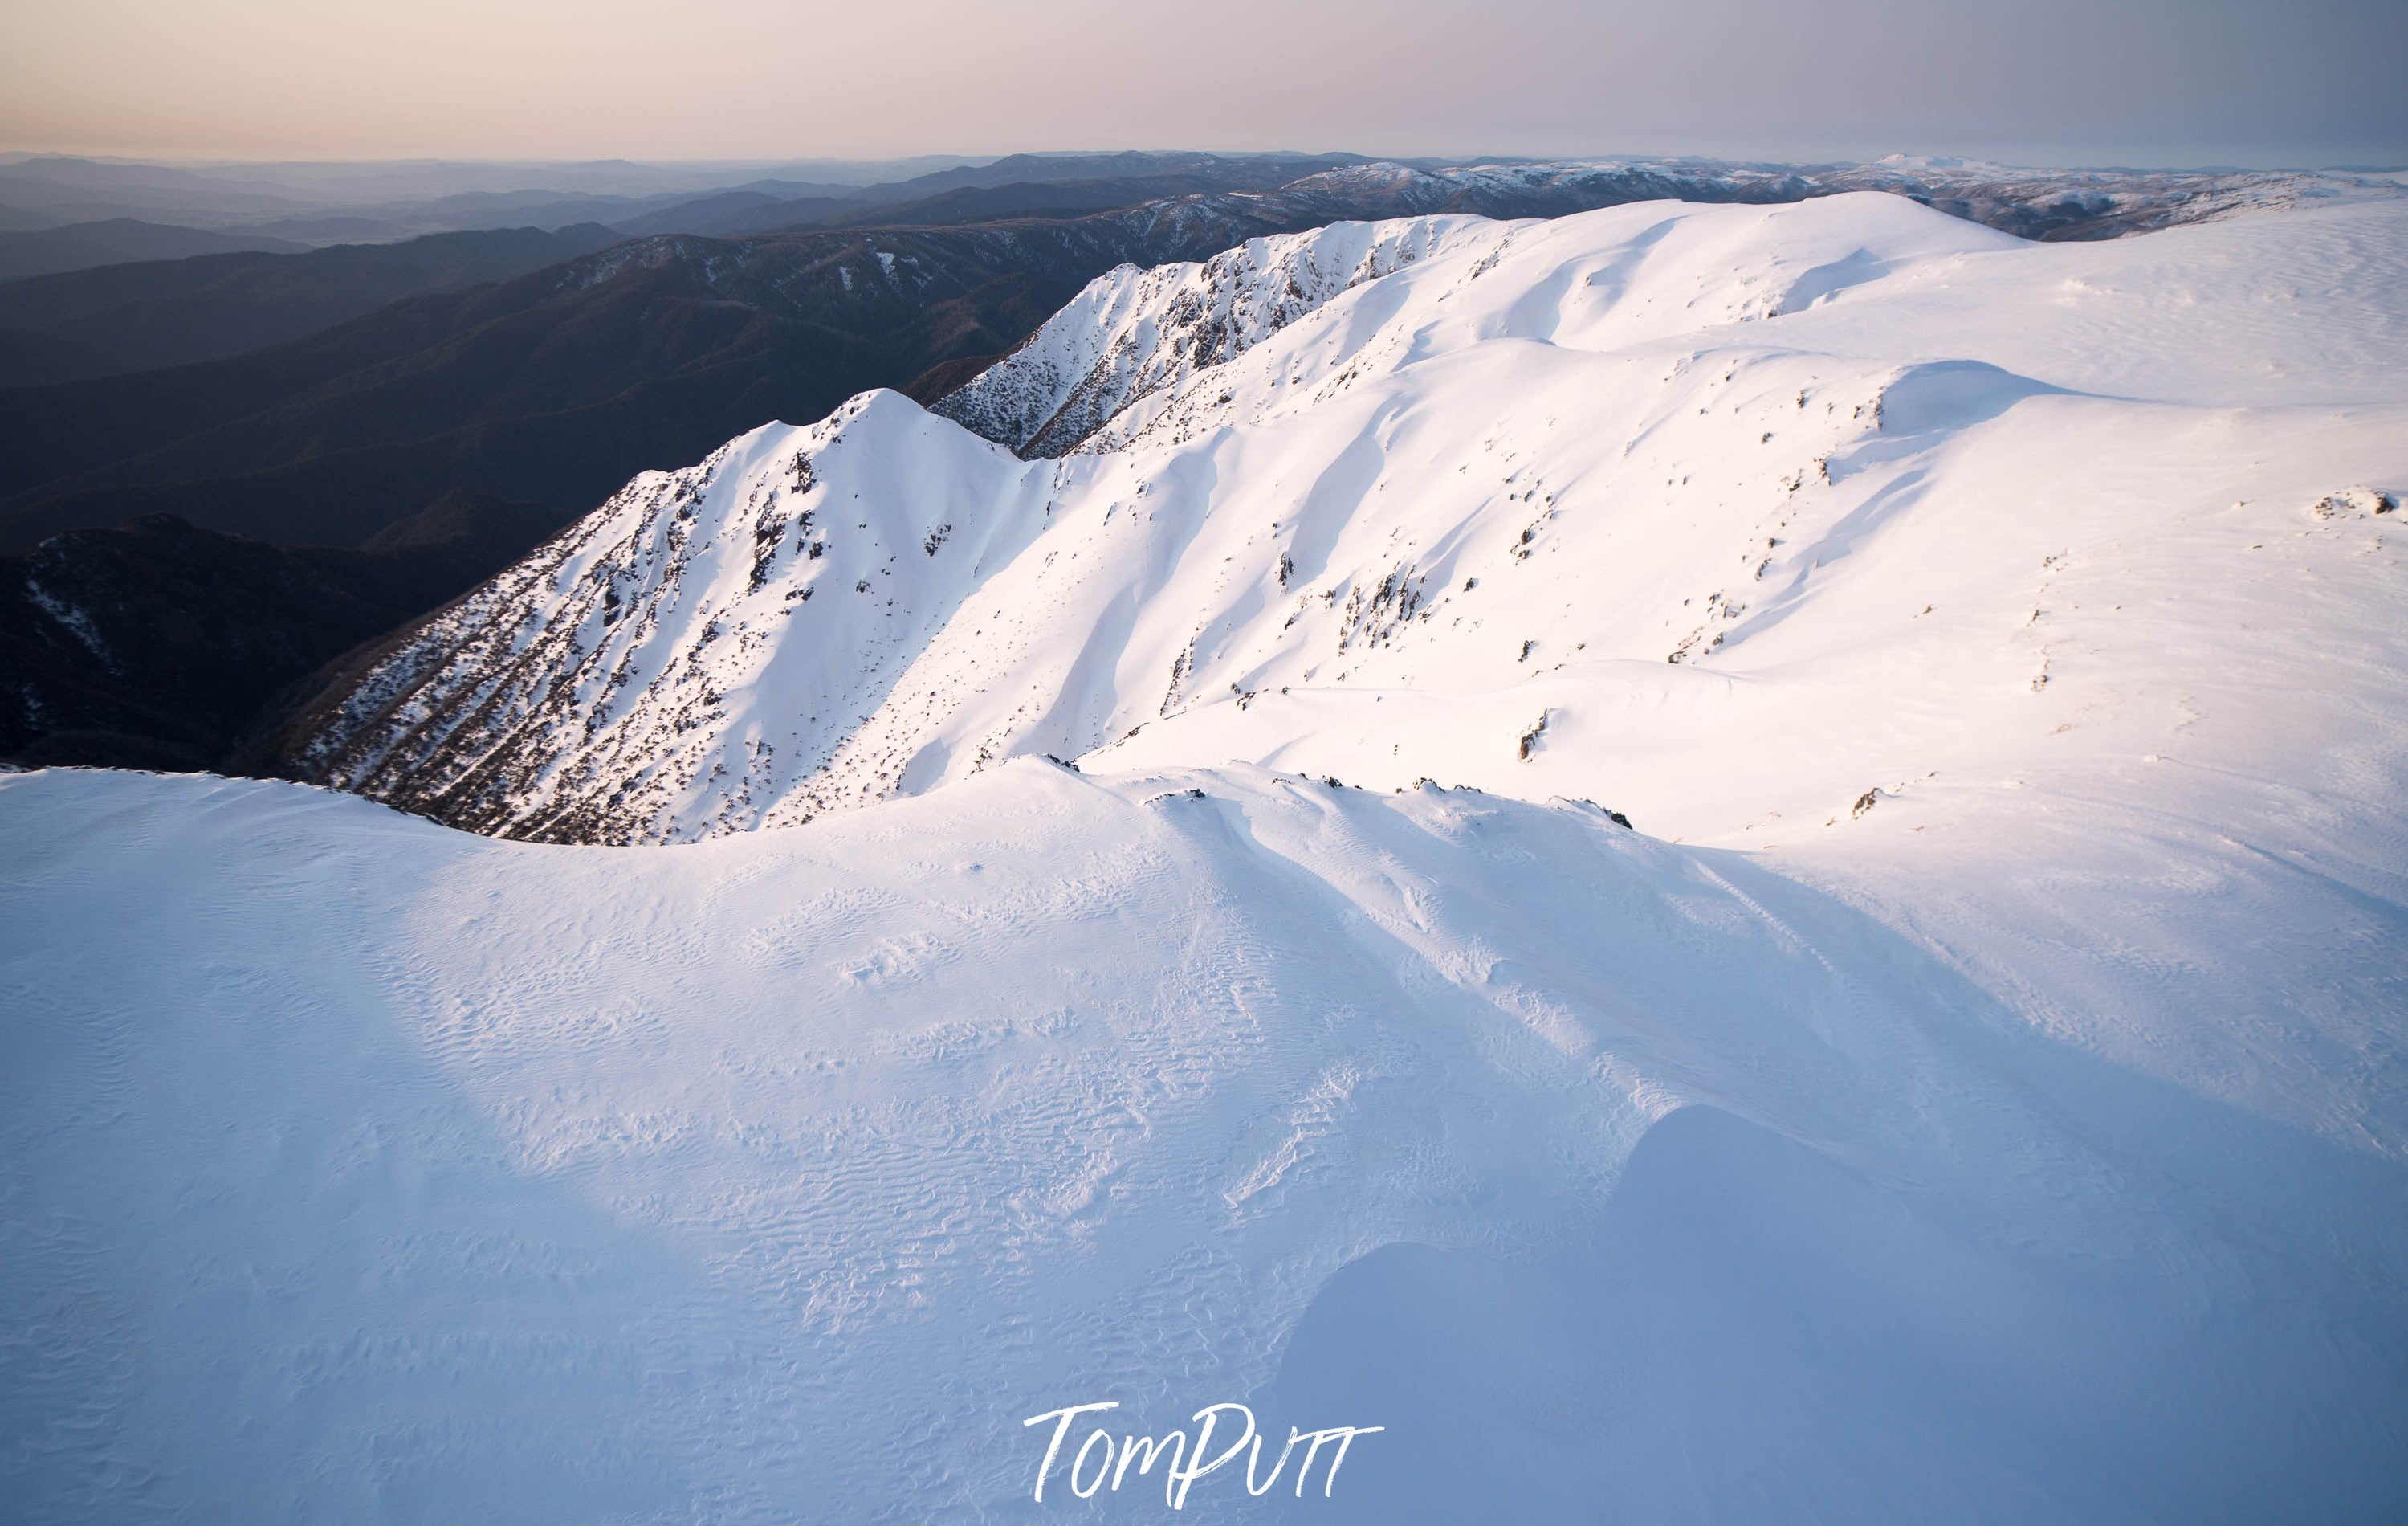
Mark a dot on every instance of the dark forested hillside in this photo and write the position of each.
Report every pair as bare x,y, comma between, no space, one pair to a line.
118,241
155,312
160,644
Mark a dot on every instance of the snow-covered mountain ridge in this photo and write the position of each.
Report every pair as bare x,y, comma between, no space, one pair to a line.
1468,520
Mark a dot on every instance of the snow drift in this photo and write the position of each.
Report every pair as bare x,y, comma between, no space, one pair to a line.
404,1173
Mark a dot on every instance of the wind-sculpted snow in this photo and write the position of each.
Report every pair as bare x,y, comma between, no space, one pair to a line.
364,1169
1133,332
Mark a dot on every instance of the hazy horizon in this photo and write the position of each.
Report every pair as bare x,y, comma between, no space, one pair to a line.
2008,158
2154,83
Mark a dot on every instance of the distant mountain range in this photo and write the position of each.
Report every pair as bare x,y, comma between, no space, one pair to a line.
120,240
137,317
310,206
390,199
120,316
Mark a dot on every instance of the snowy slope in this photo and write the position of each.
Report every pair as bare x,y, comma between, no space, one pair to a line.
1974,1092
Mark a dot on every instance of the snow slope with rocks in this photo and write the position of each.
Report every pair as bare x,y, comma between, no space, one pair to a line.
1974,1091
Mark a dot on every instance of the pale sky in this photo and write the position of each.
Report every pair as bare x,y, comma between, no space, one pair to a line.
2139,81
